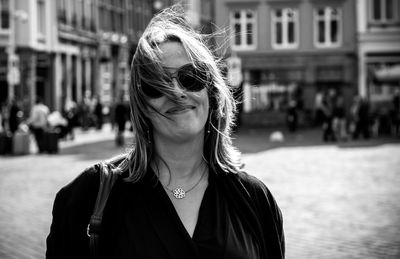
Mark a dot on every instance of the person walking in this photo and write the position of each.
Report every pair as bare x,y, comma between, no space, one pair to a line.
70,112
319,108
180,192
339,123
15,116
98,113
120,116
395,114
38,122
362,126
327,125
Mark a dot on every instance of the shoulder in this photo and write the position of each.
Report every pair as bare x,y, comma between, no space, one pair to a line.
251,183
84,188
81,190
72,208
268,211
85,179
259,193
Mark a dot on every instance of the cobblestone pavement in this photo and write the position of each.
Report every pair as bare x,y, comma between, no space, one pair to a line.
338,201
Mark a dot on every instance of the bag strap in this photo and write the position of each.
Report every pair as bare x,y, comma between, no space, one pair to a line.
107,180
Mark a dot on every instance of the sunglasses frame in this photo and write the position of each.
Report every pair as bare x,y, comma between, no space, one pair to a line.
176,74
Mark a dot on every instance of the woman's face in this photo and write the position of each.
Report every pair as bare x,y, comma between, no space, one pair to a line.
180,123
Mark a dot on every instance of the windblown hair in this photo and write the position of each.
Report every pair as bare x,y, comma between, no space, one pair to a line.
146,69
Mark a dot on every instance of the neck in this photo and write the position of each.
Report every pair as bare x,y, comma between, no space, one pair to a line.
179,161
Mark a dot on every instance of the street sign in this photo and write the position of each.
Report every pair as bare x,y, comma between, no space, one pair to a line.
13,74
235,76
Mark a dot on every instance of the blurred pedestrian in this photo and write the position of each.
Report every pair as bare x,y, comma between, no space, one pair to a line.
84,114
327,109
339,123
16,115
362,116
5,115
98,112
58,124
292,116
396,113
319,110
121,116
70,112
180,191
38,122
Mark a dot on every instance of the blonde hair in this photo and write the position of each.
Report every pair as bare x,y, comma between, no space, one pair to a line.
146,68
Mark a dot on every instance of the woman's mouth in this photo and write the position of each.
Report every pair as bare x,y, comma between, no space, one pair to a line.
180,109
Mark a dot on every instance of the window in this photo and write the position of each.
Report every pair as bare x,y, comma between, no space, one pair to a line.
384,11
4,14
93,7
327,27
74,13
243,26
41,23
62,11
83,14
78,13
285,24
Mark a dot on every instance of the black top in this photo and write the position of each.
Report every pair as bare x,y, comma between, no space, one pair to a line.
140,221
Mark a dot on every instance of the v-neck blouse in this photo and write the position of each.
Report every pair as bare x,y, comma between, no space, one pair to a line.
238,218
219,232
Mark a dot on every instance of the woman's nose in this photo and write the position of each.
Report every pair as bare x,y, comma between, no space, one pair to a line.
180,92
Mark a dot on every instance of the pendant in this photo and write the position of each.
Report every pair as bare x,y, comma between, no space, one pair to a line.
179,193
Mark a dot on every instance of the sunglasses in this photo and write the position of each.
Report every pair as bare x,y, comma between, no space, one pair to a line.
189,77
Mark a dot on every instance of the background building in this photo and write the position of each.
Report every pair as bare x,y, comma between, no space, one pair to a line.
290,49
26,46
378,29
75,50
69,49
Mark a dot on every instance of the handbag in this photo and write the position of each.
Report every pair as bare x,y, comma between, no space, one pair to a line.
93,230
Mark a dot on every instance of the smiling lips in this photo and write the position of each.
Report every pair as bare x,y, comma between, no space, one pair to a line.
180,109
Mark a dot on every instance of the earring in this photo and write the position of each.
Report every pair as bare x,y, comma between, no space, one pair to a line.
209,123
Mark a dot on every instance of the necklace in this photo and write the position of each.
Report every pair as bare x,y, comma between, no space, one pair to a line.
180,193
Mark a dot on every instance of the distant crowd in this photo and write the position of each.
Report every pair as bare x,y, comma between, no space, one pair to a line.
341,123
338,122
41,122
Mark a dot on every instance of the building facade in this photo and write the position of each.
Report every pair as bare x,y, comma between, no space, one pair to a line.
75,50
287,48
26,42
379,51
71,50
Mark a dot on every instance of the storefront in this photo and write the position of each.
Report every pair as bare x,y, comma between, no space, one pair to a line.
383,78
272,83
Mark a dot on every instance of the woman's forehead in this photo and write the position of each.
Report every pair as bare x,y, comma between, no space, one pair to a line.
173,55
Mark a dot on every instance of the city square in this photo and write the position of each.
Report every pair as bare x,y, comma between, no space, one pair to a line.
337,200
315,84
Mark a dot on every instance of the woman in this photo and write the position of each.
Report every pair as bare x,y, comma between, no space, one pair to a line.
180,191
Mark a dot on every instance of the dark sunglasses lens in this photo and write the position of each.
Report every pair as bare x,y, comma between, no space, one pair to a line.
192,79
150,91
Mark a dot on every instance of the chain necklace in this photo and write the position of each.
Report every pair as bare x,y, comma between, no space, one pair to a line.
180,193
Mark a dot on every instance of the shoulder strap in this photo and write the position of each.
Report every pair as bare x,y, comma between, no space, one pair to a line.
107,180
